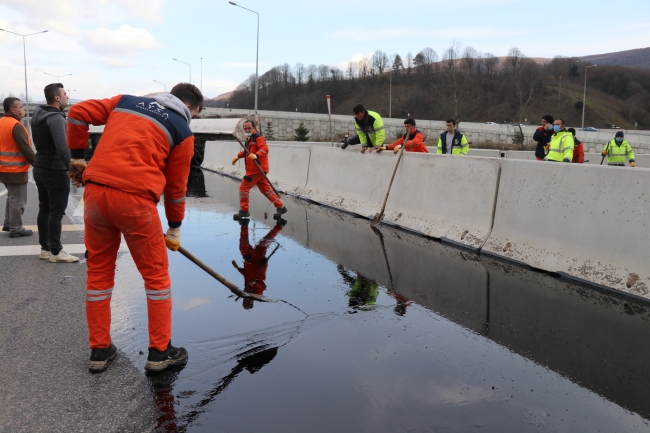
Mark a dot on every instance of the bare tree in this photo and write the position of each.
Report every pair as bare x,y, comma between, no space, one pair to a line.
312,73
352,70
323,73
364,68
513,61
379,61
299,70
456,93
490,61
409,62
470,56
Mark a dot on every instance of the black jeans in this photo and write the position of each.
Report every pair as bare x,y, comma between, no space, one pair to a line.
53,191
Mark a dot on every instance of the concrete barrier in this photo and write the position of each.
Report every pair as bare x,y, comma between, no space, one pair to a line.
218,156
521,154
289,167
486,153
347,180
445,196
588,222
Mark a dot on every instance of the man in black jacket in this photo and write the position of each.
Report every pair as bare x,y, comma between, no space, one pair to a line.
51,172
543,136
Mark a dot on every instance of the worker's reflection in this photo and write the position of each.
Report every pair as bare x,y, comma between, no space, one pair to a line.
163,386
363,291
402,302
252,360
196,183
255,260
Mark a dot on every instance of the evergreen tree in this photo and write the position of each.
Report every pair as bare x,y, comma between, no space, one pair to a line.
301,133
269,134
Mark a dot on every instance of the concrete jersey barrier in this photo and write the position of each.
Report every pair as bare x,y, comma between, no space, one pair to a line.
218,157
289,167
588,222
445,196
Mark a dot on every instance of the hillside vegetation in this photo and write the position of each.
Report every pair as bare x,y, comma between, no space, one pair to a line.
464,85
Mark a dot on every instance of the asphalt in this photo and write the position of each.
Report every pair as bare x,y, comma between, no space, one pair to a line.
46,386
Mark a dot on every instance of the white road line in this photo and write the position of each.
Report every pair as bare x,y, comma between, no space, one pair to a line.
35,250
64,227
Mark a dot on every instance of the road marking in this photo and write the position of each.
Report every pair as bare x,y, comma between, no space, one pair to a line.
35,250
64,227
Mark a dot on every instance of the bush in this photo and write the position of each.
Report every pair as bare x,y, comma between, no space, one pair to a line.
269,134
301,133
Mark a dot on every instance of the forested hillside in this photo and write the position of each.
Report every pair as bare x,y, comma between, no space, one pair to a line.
462,84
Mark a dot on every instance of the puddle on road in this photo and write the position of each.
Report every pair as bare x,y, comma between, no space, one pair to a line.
403,333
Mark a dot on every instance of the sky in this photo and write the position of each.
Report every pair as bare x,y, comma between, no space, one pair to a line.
121,46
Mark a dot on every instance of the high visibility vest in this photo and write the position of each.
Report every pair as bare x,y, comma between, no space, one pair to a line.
618,153
561,147
375,131
11,158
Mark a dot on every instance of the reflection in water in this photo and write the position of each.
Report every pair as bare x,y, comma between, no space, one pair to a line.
363,291
196,183
163,396
255,261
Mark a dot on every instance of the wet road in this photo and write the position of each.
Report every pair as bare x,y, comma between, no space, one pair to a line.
398,333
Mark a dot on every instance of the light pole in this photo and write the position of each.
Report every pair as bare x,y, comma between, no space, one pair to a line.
257,54
584,96
390,95
180,61
162,84
25,64
58,77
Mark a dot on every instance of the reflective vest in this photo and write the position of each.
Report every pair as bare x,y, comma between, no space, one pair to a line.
561,148
459,144
375,129
617,153
11,158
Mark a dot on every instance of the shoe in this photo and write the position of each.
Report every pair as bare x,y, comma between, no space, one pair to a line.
21,234
241,214
5,229
158,361
345,144
279,212
99,358
280,222
44,254
62,257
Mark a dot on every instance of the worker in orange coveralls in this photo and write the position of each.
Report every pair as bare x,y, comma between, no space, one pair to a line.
414,142
255,260
257,151
147,147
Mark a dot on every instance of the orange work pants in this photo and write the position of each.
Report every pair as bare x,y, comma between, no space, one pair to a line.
263,185
109,213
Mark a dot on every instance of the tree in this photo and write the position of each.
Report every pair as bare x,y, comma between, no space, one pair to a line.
379,61
409,62
490,61
269,134
301,133
397,64
299,72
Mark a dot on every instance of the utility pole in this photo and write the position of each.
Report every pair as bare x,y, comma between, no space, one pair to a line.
584,96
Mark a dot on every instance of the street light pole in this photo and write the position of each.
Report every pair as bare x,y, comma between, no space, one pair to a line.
584,96
25,65
257,54
58,77
180,61
165,85
390,95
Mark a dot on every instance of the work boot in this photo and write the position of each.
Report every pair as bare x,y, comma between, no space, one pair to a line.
63,257
45,255
280,222
279,212
99,358
345,144
5,228
241,214
21,234
158,361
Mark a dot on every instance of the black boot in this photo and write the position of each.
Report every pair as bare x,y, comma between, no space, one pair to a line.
345,144
241,214
99,358
158,361
279,212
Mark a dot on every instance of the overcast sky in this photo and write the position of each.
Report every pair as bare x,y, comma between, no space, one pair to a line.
121,46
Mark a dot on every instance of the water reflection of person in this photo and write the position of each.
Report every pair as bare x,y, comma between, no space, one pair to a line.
163,395
363,291
196,183
255,260
402,303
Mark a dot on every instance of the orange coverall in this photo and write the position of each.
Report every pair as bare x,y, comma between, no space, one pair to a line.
256,144
255,263
146,150
415,143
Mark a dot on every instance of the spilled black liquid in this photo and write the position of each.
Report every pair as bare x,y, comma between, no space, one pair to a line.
399,333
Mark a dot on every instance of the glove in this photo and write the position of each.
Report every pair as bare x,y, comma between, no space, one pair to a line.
397,148
379,149
77,167
604,152
173,238
234,160
252,156
632,164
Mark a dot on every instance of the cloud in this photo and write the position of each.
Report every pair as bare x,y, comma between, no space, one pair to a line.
116,63
194,302
125,40
148,10
355,58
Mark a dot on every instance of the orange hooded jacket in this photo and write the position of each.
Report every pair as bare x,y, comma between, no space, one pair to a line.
256,144
415,143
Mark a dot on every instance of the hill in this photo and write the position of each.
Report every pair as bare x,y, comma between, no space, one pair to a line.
480,89
638,58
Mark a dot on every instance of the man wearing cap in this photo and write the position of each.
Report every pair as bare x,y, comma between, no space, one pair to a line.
617,150
543,136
